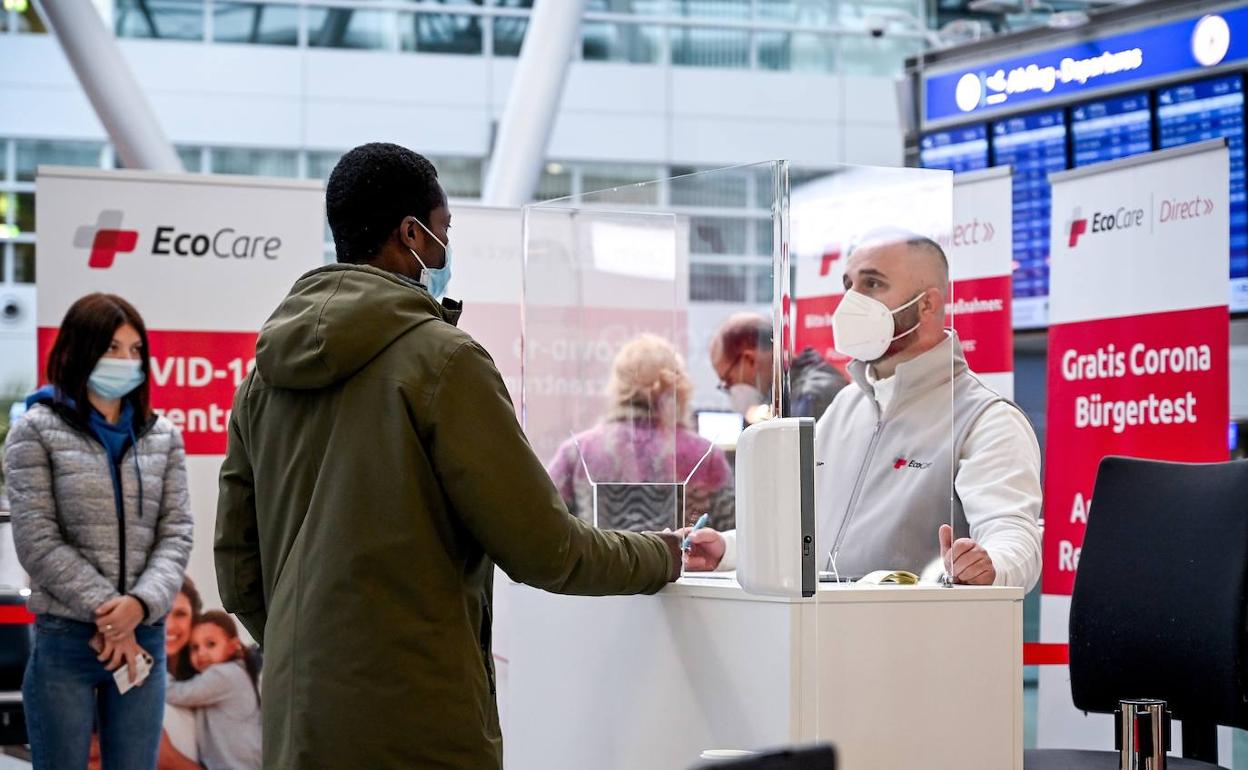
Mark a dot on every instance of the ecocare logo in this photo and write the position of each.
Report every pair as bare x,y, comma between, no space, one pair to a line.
831,255
1120,219
106,240
1078,226
1125,218
902,462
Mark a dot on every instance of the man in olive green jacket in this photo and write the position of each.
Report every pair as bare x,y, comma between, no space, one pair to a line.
375,474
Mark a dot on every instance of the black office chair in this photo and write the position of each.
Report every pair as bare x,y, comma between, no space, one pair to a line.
1161,602
821,757
15,647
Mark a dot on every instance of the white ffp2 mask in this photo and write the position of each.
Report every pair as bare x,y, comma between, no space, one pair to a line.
745,397
862,327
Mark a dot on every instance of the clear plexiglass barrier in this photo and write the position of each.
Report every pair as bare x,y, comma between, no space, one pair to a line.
657,327
648,326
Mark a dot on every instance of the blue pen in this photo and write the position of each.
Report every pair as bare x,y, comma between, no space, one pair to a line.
689,537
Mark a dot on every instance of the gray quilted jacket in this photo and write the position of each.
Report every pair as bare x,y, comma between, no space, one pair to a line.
65,523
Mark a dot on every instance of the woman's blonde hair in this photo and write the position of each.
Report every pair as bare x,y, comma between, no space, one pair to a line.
648,379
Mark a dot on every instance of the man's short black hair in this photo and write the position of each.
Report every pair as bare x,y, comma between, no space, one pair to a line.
370,191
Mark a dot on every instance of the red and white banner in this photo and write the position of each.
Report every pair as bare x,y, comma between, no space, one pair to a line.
831,215
1138,357
980,260
205,260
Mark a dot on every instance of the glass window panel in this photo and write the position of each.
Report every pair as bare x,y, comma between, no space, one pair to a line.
321,163
192,159
764,236
863,55
24,212
346,28
255,24
555,182
460,177
801,52
24,262
723,189
763,283
241,160
603,41
4,27
717,282
861,10
712,9
441,33
604,176
718,235
806,12
160,19
509,31
32,153
639,7
708,47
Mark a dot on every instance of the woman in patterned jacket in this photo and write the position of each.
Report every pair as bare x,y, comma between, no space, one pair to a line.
97,485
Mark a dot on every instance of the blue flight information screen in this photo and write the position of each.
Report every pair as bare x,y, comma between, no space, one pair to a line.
956,150
1111,128
1035,145
1210,109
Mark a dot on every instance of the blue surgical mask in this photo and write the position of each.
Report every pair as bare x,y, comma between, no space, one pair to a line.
434,279
115,378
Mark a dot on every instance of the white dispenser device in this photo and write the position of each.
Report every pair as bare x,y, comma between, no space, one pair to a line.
776,508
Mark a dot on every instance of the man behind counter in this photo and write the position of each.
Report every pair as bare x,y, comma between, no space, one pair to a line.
906,368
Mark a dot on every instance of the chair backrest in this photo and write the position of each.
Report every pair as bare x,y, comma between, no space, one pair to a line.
822,757
1161,596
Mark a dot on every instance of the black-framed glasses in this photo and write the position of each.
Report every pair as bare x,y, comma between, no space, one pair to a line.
723,386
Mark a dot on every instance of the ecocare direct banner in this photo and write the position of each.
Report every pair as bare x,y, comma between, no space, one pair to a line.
1138,356
205,260
979,248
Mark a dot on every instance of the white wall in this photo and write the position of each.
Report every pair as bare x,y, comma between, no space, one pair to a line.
444,104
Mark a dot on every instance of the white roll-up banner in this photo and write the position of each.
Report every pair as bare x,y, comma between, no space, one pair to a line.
1137,355
204,259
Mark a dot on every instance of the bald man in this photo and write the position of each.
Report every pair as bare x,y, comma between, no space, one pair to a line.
742,356
885,444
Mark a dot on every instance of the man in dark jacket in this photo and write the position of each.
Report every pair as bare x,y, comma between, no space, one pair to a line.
375,474
742,355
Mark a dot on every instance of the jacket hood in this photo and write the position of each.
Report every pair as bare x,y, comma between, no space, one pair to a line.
338,318
46,395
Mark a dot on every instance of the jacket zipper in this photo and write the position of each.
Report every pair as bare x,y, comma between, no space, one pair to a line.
484,637
119,502
858,482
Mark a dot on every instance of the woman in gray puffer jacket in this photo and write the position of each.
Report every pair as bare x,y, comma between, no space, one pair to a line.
97,486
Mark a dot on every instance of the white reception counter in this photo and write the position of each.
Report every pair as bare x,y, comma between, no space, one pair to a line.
894,676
